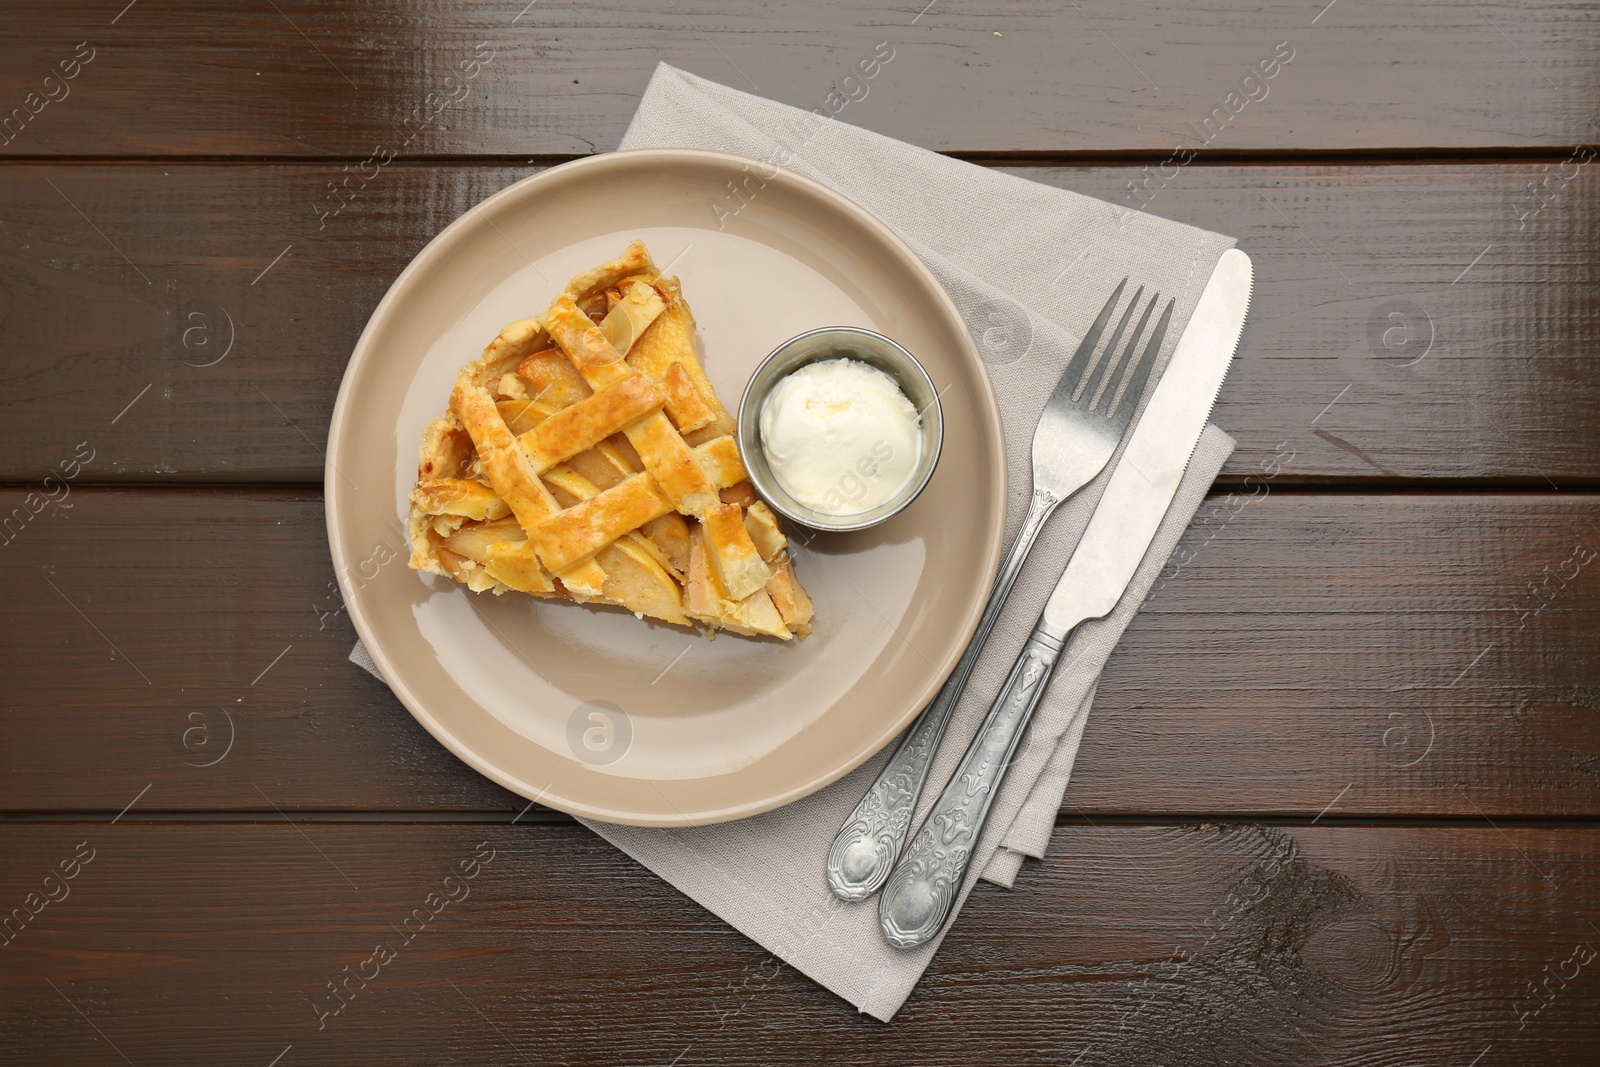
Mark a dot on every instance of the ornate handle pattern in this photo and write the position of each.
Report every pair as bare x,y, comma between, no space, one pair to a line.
918,898
870,841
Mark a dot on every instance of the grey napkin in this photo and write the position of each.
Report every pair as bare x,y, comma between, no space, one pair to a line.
1030,267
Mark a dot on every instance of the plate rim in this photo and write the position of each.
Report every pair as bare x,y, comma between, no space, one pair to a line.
452,234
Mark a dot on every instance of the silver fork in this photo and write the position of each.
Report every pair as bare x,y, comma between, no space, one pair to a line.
1074,440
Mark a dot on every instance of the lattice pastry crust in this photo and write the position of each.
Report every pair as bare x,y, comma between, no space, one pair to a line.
586,456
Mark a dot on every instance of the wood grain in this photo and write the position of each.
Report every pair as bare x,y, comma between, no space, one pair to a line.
1371,665
1132,945
208,78
1501,391
1392,654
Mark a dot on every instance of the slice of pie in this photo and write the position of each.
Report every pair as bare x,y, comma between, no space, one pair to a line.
586,456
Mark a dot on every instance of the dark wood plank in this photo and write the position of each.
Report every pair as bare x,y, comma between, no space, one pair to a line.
248,643
208,943
1503,393
1402,654
209,78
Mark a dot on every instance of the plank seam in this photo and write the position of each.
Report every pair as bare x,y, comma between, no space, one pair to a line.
1133,157
545,816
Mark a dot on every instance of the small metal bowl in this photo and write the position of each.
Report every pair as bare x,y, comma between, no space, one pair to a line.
835,342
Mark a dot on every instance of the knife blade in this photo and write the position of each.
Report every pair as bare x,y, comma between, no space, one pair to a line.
1147,477
920,894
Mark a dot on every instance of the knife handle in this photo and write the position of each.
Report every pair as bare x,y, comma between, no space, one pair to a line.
922,890
864,851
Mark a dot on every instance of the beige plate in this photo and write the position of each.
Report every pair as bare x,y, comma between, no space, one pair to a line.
591,710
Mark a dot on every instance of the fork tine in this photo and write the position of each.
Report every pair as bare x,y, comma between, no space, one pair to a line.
1072,374
1147,362
1112,392
1102,370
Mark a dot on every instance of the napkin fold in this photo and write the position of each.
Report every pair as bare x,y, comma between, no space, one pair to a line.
1029,266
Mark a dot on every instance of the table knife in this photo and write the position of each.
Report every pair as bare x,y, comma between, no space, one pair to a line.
921,892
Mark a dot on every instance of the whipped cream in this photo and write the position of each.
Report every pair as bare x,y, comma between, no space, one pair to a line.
840,436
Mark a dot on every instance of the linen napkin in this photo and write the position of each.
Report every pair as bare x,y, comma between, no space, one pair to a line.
1029,266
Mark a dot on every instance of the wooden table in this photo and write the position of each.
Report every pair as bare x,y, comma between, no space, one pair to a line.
1339,801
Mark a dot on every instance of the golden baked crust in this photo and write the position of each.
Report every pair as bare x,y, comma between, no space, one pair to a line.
586,456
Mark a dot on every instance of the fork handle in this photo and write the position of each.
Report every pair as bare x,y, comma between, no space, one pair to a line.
918,898
865,850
